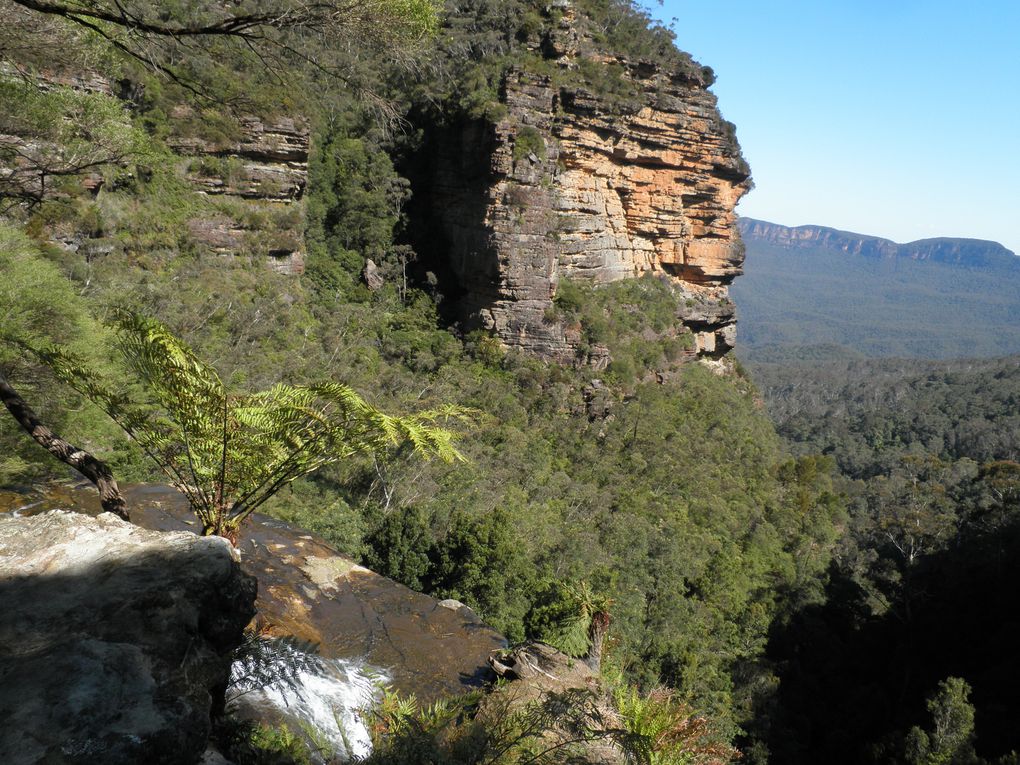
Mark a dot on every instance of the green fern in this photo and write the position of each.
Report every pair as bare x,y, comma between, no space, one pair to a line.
666,731
571,618
229,453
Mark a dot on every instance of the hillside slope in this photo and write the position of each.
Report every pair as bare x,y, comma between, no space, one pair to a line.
623,466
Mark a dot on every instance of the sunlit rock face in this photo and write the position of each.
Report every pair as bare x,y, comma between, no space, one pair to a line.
259,173
574,184
537,675
265,171
115,641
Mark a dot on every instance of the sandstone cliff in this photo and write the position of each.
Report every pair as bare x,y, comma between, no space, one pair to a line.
264,170
248,184
974,253
581,182
603,167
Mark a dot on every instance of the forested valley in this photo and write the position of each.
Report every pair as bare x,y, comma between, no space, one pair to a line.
838,586
919,599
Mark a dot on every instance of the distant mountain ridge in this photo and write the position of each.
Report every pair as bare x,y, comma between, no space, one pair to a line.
812,292
970,253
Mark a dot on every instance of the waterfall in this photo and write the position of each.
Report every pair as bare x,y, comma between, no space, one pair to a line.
283,681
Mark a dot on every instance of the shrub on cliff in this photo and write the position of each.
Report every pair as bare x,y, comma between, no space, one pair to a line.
481,40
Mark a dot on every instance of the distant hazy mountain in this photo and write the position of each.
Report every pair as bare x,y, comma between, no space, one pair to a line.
812,292
974,253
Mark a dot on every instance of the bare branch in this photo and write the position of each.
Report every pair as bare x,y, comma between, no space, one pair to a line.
95,470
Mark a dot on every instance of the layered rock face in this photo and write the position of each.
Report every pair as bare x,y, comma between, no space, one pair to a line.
116,641
574,185
264,171
257,177
976,253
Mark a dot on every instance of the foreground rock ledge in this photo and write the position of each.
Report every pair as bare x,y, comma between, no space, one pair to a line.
115,641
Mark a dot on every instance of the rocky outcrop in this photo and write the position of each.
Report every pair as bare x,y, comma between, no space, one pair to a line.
971,253
595,181
116,642
264,170
270,159
573,695
308,591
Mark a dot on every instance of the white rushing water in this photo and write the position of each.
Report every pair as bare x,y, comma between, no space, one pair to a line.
329,696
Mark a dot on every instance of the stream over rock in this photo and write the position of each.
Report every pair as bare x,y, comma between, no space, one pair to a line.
305,690
363,629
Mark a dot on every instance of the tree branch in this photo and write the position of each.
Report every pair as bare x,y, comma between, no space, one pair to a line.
235,26
93,469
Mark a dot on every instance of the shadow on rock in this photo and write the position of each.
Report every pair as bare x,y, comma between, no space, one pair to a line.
116,641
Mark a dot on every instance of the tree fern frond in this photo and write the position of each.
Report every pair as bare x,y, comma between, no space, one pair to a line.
229,454
191,392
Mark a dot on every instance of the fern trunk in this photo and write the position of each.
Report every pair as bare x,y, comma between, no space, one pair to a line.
597,636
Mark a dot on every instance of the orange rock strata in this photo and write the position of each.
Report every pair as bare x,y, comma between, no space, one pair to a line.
571,186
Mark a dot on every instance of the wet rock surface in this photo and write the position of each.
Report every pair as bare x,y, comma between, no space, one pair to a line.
309,591
116,641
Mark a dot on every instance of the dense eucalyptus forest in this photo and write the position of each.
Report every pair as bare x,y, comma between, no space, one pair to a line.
919,588
832,588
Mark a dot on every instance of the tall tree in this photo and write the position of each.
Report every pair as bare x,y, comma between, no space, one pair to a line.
38,306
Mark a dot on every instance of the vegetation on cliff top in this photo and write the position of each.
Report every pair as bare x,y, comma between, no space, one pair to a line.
229,453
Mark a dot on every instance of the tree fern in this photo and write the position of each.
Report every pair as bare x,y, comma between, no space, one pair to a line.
229,453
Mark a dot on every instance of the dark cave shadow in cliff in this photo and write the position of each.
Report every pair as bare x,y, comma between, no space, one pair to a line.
456,260
850,681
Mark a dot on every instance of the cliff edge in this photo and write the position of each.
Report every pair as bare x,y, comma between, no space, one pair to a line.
602,167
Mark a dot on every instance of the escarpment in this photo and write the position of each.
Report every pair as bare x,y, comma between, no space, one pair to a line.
227,185
261,174
596,167
602,168
973,253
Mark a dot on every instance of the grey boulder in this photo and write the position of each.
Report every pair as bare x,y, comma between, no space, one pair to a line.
115,642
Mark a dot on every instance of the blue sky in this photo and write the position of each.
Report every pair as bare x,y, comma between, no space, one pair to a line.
898,118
